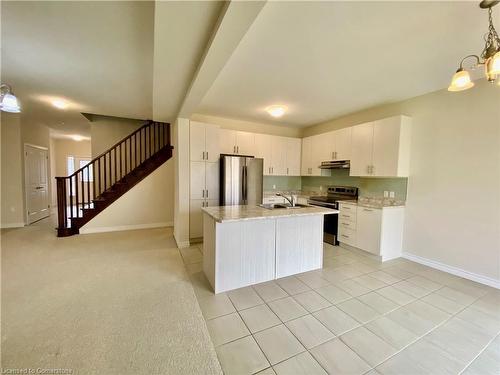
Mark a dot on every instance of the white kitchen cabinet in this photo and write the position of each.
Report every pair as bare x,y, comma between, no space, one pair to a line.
245,143
203,142
293,154
278,156
391,147
281,154
342,140
381,148
378,231
196,218
312,155
263,147
227,141
368,229
197,181
324,146
362,149
299,244
237,142
306,156
212,181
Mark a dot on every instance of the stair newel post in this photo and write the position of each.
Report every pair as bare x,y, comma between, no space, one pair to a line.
130,154
61,202
135,149
76,194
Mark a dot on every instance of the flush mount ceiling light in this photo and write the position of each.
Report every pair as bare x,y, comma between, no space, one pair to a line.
490,57
59,103
276,110
8,101
77,138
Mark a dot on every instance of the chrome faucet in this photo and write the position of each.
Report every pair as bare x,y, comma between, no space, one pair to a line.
290,200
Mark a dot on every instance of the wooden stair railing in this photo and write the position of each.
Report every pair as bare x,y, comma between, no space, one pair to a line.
92,188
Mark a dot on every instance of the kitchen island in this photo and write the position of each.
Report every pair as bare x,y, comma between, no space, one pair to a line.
246,245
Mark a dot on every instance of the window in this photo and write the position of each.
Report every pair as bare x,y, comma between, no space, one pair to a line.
88,173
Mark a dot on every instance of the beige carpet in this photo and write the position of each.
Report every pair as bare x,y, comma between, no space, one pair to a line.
112,303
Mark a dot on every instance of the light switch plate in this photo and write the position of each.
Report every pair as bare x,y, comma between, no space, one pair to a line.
274,187
391,194
386,194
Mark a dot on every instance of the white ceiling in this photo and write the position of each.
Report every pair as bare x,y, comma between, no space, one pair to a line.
101,57
327,59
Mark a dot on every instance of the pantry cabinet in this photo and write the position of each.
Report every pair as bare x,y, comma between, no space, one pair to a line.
203,142
381,148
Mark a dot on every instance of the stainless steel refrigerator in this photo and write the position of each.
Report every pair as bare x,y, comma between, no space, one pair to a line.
240,180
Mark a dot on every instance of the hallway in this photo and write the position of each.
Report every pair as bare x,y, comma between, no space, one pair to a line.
111,303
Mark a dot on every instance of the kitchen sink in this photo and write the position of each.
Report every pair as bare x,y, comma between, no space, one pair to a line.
275,206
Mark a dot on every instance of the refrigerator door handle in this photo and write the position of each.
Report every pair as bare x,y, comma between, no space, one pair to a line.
244,184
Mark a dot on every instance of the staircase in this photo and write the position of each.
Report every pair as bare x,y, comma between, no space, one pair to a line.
88,191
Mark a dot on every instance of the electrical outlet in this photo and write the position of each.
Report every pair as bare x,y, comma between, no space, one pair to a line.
386,194
391,194
274,187
321,188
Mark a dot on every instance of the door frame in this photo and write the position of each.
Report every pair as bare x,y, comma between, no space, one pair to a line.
26,216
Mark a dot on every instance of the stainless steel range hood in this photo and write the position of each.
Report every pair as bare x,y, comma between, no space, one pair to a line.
337,164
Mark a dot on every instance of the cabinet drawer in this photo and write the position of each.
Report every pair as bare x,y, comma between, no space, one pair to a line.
347,215
346,224
348,207
347,236
273,200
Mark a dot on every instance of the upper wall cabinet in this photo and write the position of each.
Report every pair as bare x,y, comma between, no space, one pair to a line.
381,148
237,142
342,139
281,154
204,142
313,153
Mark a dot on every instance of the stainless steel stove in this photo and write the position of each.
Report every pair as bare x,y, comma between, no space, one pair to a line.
335,194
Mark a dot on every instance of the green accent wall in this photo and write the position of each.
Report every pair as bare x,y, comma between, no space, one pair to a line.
368,186
282,183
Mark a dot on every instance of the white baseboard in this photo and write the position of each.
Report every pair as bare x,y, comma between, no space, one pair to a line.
126,227
11,225
495,283
182,244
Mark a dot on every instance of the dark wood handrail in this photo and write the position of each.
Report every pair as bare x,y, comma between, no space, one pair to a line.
111,148
79,191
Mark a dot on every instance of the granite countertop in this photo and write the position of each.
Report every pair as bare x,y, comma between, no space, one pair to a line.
371,202
238,213
298,193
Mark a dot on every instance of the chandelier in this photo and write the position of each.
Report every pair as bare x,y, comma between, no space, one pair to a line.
490,57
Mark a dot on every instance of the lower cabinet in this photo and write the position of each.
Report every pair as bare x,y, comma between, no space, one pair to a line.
299,245
196,216
369,229
378,231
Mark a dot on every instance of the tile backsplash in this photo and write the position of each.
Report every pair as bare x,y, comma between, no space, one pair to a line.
368,186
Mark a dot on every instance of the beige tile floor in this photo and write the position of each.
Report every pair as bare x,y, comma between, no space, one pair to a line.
354,316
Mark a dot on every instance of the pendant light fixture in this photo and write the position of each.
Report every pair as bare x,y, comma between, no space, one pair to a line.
490,57
8,101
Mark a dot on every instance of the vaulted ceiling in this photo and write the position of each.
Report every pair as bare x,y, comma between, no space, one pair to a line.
145,59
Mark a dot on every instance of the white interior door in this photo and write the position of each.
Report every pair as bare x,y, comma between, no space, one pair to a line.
36,183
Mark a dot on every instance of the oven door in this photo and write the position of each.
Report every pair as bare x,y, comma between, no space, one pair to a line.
330,222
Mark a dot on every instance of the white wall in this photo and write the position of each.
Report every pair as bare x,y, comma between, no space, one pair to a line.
12,198
60,150
180,136
453,204
148,204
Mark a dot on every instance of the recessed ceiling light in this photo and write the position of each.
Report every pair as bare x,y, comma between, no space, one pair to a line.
276,110
58,103
77,138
